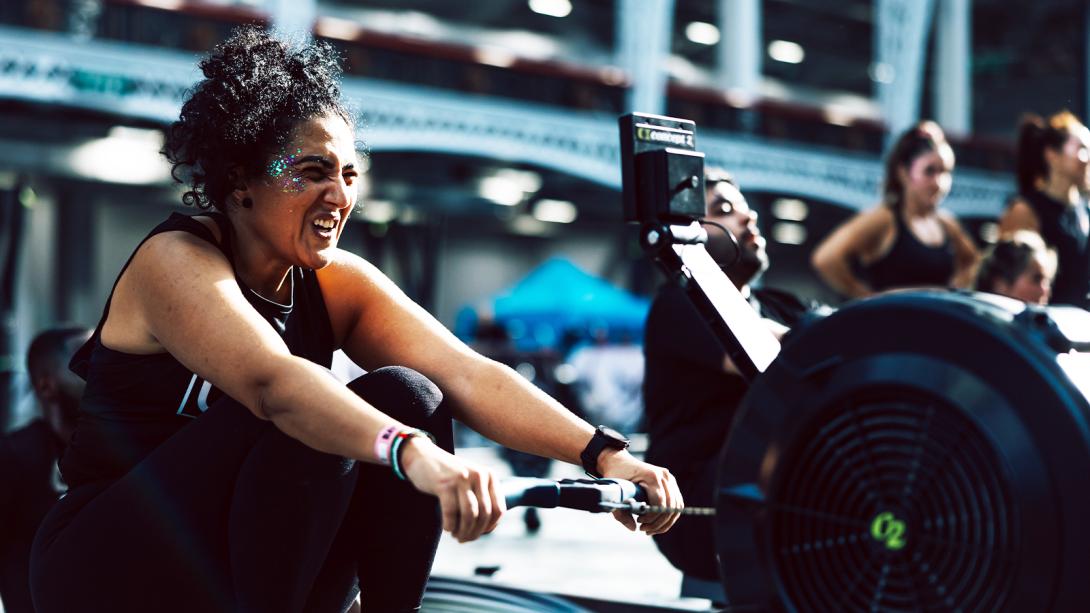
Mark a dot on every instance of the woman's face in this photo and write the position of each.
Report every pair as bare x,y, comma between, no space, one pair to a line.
305,193
926,181
1073,161
1034,285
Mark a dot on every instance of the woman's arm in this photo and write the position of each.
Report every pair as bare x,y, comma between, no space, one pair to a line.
966,256
380,326
858,239
1018,216
182,292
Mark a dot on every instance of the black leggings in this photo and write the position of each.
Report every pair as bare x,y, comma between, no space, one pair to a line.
230,514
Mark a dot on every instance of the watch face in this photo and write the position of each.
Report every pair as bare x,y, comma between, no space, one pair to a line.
613,434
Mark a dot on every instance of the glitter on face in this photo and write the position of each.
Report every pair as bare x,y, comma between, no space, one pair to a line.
281,169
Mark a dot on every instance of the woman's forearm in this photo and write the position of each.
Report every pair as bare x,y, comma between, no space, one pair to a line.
838,275
964,277
497,402
307,403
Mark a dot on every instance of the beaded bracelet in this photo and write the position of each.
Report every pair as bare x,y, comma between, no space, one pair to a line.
395,449
382,443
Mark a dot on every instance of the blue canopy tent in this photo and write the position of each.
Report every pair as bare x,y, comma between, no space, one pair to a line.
558,301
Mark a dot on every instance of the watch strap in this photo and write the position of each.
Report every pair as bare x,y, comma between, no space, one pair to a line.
599,442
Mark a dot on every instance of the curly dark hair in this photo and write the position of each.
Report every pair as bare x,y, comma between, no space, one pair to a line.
255,91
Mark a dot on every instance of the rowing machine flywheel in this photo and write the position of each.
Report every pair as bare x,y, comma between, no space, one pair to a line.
924,451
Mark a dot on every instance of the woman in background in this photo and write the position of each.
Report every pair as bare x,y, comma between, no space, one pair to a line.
1019,266
1053,177
906,241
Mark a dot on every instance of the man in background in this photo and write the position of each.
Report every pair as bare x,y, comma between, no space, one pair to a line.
29,480
691,388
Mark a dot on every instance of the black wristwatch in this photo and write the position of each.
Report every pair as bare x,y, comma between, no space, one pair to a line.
603,437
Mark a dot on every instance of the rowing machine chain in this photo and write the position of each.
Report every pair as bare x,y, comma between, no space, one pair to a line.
640,508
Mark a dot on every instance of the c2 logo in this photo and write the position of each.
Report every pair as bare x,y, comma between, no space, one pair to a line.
888,530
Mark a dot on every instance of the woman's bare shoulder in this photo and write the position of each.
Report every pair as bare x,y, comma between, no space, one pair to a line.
1019,215
878,216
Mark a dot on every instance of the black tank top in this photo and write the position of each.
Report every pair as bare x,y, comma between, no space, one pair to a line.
910,263
132,403
1067,230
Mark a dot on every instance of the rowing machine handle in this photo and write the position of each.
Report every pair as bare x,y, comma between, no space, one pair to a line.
581,494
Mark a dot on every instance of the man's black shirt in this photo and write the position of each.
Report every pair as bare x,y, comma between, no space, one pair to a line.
689,404
689,400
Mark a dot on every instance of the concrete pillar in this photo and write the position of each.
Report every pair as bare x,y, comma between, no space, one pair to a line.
952,86
643,43
740,46
293,18
901,44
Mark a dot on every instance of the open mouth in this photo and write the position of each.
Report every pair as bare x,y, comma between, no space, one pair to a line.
324,226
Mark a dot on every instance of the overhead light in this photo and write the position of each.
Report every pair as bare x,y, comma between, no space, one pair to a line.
611,75
527,371
790,209
334,27
126,155
409,215
527,180
880,72
738,99
552,8
789,233
555,211
378,211
28,197
509,186
786,51
494,56
166,5
500,190
154,137
837,117
528,226
702,33
419,24
566,374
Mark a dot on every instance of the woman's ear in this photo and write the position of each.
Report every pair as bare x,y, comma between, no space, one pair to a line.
240,195
1051,157
902,175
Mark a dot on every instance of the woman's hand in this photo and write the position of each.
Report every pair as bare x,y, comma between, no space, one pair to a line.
467,494
661,489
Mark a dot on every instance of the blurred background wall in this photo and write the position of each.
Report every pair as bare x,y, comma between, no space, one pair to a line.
490,126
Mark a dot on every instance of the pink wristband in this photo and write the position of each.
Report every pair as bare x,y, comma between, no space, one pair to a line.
382,443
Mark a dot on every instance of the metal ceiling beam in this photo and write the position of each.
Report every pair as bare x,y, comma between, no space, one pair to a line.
150,84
